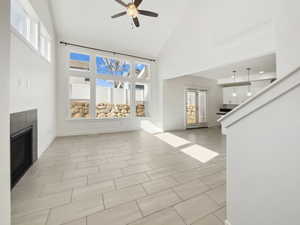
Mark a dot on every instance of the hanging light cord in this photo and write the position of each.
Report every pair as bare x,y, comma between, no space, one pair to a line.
249,86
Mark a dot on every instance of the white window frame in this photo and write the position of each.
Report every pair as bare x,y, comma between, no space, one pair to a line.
92,75
32,18
43,33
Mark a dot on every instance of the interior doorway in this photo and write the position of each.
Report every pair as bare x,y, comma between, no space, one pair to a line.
195,108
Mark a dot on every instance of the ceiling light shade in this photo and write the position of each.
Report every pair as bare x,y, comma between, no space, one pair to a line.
132,11
249,93
234,77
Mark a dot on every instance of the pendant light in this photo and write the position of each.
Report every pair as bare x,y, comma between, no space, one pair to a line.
233,89
249,93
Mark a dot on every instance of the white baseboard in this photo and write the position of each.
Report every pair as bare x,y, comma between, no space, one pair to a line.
227,222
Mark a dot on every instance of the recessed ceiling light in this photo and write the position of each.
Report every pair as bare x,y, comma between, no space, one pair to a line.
262,72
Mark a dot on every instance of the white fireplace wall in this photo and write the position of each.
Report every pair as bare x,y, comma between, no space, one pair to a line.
32,81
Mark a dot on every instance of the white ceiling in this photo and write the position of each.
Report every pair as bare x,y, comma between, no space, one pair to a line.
264,63
88,22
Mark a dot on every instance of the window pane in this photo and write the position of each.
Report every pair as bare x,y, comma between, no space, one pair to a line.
141,99
48,51
18,18
79,92
79,61
112,99
42,45
33,34
191,107
142,71
112,67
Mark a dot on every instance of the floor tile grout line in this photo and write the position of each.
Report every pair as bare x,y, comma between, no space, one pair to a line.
48,216
102,196
115,184
72,195
214,213
209,214
138,206
183,220
147,194
220,206
177,194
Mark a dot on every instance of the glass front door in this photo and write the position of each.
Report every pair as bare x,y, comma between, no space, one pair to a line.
195,108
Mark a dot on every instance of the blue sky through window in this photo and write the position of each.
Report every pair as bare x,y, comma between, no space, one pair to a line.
140,67
104,83
79,57
103,67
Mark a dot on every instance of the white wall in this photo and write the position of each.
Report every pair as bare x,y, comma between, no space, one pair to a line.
32,82
66,127
4,113
288,36
263,164
216,33
173,102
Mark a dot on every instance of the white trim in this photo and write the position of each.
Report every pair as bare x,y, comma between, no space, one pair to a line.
226,222
27,43
32,17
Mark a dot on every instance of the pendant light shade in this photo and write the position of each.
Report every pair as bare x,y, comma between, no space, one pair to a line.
234,94
249,93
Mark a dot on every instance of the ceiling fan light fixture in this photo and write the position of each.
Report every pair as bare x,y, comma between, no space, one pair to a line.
132,11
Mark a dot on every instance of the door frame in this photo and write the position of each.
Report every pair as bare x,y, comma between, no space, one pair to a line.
197,125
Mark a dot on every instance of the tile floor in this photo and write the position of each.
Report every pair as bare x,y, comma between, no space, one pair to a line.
132,178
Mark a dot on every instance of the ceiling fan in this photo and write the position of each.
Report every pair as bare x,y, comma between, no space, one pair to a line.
133,11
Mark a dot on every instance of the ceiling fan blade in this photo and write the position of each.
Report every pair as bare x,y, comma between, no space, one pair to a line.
148,13
137,3
119,14
136,21
122,3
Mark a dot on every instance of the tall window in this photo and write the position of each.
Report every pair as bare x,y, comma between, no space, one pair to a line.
79,92
112,99
45,43
141,99
115,88
142,71
25,21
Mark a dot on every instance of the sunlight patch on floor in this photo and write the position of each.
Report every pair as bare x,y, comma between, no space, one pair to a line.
200,153
172,139
149,127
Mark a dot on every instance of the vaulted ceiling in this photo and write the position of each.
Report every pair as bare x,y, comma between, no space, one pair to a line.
89,22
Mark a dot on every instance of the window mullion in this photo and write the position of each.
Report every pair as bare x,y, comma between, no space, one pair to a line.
133,103
93,86
132,92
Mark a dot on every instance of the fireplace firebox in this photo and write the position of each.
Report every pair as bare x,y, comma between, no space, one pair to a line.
21,154
23,143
